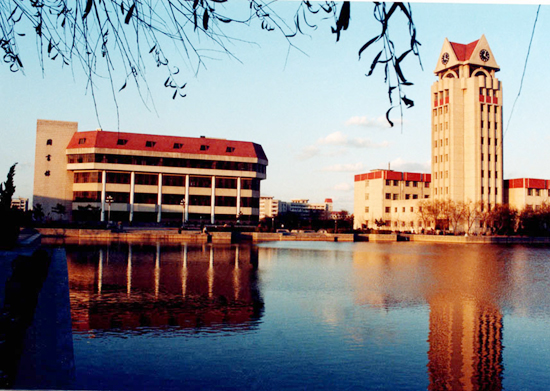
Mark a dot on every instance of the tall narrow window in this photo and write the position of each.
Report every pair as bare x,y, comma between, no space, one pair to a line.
49,141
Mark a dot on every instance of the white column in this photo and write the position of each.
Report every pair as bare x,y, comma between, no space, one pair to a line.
186,197
159,199
238,195
213,200
103,191
132,192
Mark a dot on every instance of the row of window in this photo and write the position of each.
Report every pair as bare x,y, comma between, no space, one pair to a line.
167,180
537,192
489,125
167,199
440,110
395,197
440,128
390,182
441,142
165,162
488,174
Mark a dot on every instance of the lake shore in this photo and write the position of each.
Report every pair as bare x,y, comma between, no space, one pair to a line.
174,235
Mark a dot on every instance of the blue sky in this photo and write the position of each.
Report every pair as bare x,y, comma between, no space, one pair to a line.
318,118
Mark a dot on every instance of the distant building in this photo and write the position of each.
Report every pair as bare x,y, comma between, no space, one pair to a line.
390,197
20,203
270,207
146,177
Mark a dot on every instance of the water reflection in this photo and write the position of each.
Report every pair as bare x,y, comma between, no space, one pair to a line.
142,288
464,294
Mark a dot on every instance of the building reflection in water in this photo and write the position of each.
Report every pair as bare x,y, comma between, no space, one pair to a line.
462,291
120,287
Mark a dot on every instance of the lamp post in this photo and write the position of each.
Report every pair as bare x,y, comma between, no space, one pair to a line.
182,203
109,200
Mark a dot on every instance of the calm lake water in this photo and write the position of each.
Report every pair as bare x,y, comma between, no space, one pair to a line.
309,315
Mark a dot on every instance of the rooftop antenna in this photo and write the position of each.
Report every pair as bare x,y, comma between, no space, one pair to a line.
389,166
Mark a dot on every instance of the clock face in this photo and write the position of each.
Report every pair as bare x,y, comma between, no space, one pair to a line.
484,55
445,58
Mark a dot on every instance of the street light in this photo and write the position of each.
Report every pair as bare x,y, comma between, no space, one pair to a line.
109,200
239,215
182,203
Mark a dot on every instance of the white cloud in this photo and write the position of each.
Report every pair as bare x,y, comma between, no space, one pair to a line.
336,138
308,152
344,167
364,121
345,186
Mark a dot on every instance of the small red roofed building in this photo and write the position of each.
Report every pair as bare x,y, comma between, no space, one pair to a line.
526,193
390,197
143,177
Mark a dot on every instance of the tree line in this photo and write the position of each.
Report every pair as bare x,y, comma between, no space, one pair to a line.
497,219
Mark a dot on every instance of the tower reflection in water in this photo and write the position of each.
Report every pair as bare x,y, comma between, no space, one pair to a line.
125,287
465,321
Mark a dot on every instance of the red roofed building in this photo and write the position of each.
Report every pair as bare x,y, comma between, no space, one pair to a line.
391,197
142,177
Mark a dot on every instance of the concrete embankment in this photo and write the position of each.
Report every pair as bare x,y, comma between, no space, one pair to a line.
173,235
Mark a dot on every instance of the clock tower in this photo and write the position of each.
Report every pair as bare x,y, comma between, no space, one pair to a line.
467,125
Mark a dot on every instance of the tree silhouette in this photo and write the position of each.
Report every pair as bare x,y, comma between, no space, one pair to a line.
97,34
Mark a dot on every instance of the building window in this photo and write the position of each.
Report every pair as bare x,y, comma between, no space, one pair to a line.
489,173
482,174
481,124
396,197
48,157
426,184
482,191
49,141
366,209
435,190
396,183
446,174
489,157
537,192
150,144
530,192
407,183
387,209
366,183
229,149
204,147
415,184
178,145
388,196
446,190
47,173
412,209
415,196
407,196
435,159
121,141
446,157
482,157
446,141
388,182
482,141
395,209
403,209
82,141
488,140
